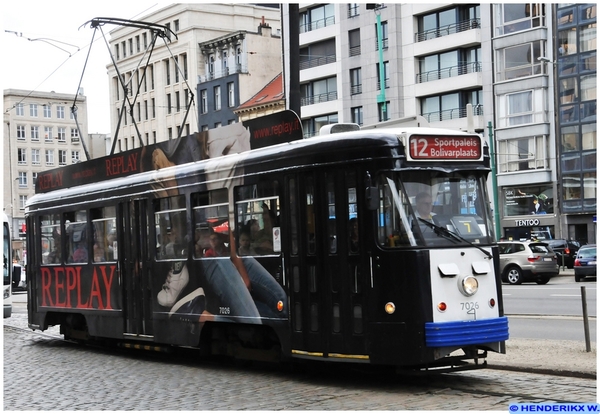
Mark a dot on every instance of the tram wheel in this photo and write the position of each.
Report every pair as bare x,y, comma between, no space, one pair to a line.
514,275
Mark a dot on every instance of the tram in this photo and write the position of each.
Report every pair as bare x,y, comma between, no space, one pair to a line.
274,247
8,266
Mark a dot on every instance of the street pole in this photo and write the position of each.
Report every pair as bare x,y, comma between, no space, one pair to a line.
494,181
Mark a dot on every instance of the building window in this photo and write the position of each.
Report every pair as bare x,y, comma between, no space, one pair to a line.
217,97
35,133
447,22
384,36
353,9
317,17
21,132
35,156
520,108
383,110
317,54
177,103
167,72
62,157
176,68
452,106
47,111
49,157
33,110
48,134
357,115
22,202
169,105
176,25
60,112
520,61
74,135
449,64
224,63
385,75
323,90
312,126
354,42
20,109
522,154
21,156
511,18
62,134
355,81
203,101
231,94
22,178
211,67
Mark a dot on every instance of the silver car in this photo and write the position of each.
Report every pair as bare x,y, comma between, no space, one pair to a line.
527,261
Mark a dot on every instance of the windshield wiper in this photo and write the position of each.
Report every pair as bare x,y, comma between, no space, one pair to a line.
444,232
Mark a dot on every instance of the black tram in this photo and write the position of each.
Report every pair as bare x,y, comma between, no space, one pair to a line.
313,248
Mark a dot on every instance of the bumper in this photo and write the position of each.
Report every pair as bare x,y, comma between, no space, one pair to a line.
459,333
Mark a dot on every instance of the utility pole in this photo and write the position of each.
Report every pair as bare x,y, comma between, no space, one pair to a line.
494,181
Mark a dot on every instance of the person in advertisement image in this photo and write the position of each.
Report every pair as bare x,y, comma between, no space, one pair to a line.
216,283
528,201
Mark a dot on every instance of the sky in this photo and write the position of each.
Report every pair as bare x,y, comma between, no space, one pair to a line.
57,61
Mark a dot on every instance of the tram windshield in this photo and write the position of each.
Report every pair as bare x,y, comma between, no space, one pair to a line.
433,209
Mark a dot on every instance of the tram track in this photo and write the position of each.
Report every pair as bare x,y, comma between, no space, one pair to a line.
495,389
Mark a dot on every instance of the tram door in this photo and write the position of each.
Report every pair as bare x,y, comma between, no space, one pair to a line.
327,271
135,279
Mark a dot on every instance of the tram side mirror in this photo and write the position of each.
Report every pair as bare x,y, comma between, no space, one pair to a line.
372,197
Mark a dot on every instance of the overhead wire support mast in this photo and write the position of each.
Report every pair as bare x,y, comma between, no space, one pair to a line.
157,31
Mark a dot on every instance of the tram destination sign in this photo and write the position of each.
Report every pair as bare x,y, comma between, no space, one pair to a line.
435,147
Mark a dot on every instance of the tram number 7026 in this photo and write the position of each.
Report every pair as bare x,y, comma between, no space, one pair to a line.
469,306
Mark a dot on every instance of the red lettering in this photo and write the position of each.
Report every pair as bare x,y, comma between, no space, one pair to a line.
71,283
95,292
132,162
46,282
108,283
59,286
81,304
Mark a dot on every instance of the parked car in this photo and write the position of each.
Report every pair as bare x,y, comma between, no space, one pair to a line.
527,261
565,250
585,262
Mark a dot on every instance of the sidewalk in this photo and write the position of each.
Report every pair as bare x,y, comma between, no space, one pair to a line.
548,356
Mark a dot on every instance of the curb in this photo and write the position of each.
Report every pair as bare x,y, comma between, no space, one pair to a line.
544,371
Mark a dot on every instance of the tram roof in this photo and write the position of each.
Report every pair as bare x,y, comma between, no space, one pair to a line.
126,170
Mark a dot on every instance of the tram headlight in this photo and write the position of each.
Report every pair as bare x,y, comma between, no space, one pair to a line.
468,285
390,308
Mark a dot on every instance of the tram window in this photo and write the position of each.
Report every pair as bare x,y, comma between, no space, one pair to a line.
353,237
211,217
51,232
358,320
331,225
77,236
105,234
257,215
170,220
393,221
310,216
293,216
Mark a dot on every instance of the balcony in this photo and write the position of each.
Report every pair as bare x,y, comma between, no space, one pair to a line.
449,72
454,113
316,61
308,27
315,99
448,30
